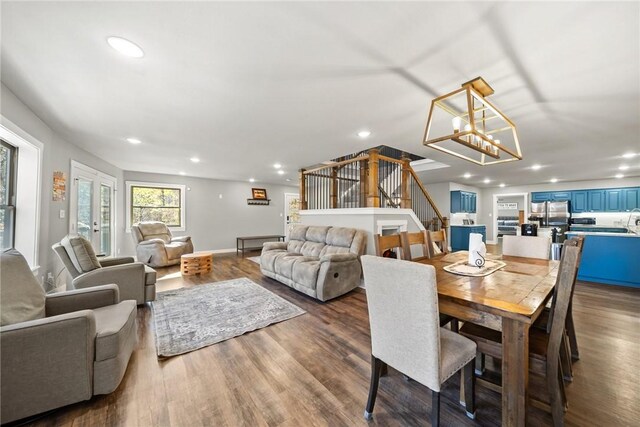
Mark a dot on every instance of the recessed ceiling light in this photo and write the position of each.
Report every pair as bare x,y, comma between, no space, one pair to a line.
629,155
125,47
486,180
502,185
195,160
536,167
280,172
467,175
252,180
623,167
182,173
277,165
134,141
619,176
364,134
554,180
288,179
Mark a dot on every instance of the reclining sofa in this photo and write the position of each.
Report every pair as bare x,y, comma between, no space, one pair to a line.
322,262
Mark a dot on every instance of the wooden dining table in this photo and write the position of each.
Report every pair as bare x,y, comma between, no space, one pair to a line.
508,300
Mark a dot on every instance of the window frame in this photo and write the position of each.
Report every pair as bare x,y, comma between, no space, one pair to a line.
10,205
183,207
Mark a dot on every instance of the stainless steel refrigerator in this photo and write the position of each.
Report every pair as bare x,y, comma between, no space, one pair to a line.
553,215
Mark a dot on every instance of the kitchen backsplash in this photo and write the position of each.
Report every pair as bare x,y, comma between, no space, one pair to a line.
606,218
457,218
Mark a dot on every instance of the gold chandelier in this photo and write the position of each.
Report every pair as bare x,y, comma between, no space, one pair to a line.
471,127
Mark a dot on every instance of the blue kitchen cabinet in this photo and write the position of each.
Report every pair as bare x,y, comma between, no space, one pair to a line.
538,197
463,202
630,198
460,236
613,200
579,201
596,200
560,196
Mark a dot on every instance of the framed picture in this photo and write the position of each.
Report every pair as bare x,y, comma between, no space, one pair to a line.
259,193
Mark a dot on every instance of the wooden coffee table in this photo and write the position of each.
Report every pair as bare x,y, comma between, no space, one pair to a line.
196,263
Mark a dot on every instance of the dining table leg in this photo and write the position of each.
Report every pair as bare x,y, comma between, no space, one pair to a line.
515,371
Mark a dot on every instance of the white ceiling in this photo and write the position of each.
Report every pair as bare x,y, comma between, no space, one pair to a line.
245,85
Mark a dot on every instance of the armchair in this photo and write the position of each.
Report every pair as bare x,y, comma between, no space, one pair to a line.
135,280
62,348
156,247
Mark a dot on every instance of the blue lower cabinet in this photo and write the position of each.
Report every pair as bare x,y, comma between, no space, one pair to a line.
459,240
612,260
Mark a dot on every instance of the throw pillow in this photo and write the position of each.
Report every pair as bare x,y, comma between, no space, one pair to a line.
81,253
21,296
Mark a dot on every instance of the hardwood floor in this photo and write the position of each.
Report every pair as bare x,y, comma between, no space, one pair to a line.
313,370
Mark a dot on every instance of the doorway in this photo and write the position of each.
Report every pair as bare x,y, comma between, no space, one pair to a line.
291,212
92,207
509,211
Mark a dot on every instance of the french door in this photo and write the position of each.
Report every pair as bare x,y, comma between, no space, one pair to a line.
92,207
291,212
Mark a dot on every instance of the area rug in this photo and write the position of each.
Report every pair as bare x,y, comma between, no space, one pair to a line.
187,319
255,259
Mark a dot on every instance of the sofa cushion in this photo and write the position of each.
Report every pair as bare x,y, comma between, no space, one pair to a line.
317,234
330,249
268,259
298,232
340,236
81,253
174,250
295,246
21,296
305,272
284,264
150,275
154,230
312,249
114,325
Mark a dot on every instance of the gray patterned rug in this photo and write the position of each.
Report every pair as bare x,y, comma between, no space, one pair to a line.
187,319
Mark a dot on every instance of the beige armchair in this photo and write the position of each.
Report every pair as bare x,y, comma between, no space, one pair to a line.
135,280
61,348
156,247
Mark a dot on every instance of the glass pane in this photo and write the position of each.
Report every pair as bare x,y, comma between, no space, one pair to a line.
156,204
85,214
105,219
6,227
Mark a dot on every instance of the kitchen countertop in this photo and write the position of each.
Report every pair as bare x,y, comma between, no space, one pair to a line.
598,233
467,225
596,227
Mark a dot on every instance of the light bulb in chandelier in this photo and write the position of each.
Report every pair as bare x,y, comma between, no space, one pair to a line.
456,122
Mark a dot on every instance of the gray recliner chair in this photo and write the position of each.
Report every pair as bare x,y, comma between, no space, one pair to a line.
60,348
135,280
156,247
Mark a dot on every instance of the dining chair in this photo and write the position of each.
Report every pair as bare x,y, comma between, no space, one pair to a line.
388,241
526,246
405,332
437,242
414,239
544,348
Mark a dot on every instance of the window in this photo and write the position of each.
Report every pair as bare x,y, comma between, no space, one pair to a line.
156,202
8,175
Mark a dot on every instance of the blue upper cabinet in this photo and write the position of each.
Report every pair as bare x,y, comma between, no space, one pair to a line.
579,201
560,196
613,200
630,198
463,202
541,197
596,199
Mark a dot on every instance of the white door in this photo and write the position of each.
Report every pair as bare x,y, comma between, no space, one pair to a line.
92,207
291,212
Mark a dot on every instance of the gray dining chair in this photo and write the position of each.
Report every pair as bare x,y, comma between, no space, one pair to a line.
526,246
405,331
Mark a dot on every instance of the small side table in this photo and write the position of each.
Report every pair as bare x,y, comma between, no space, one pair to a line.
196,263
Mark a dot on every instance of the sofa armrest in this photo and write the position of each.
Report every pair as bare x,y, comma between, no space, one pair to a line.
108,262
339,257
152,242
46,363
82,299
183,239
272,246
130,279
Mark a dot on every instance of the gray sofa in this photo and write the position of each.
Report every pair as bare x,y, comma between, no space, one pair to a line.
156,247
60,348
322,262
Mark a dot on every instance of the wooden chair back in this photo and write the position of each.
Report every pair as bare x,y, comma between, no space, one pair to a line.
412,239
440,239
389,241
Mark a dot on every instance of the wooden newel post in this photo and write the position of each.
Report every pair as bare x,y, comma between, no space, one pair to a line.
334,188
373,199
364,180
405,201
303,190
445,225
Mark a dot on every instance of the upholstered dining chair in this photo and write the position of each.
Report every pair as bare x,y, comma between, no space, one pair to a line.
389,241
405,331
60,348
135,280
438,244
526,246
544,348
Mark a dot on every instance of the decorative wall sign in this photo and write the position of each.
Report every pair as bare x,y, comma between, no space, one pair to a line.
513,206
259,193
59,186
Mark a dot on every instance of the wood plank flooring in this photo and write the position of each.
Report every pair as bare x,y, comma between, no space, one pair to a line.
313,370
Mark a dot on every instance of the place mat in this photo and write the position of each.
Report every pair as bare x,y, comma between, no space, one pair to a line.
462,268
